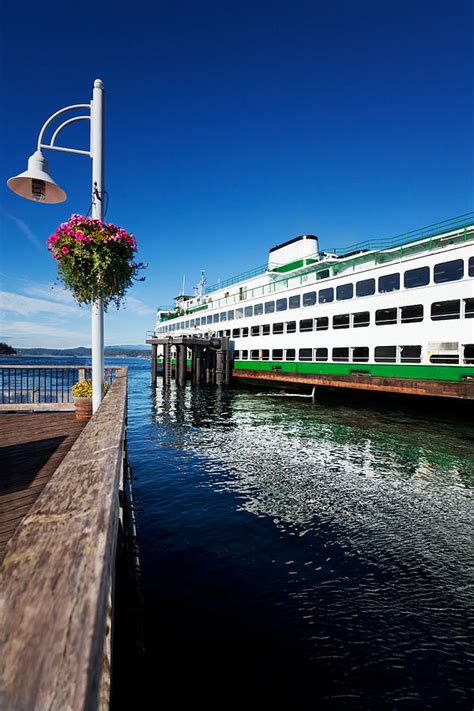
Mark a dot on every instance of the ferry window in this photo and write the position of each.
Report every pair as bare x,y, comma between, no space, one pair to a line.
385,354
245,355
220,333
305,354
265,355
277,354
216,318
360,319
389,282
416,277
209,319
384,317
322,323
266,329
445,310
236,355
469,354
245,332
323,274
291,327
227,332
445,358
340,355
410,354
239,313
269,307
290,354
281,304
360,355
449,271
294,302
191,323
258,310
326,296
471,266
248,311
278,327
255,331
236,333
340,321
230,315
412,314
224,316
345,291
469,308
254,355
309,299
306,324
321,354
366,287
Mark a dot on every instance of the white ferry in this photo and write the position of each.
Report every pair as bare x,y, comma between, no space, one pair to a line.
402,307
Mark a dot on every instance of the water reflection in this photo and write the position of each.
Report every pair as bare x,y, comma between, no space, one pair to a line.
352,526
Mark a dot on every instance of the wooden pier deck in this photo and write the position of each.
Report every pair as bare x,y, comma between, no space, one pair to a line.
58,572
32,445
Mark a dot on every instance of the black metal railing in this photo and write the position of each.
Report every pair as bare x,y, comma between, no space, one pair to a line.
37,384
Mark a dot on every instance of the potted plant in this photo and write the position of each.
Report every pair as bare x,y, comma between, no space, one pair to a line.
82,393
95,259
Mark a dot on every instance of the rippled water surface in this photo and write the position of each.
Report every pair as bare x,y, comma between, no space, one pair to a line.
316,555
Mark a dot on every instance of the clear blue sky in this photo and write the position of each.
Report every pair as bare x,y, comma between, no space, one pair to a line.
231,127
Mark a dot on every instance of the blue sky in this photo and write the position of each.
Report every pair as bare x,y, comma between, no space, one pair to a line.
231,127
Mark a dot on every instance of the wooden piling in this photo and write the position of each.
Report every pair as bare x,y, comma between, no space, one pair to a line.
154,351
181,365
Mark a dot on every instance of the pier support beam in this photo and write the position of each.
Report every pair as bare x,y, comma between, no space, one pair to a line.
181,365
154,351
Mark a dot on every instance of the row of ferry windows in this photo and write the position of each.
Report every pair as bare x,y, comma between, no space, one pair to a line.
440,311
359,354
443,272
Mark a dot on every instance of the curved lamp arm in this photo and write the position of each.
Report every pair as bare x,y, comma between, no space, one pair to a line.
63,125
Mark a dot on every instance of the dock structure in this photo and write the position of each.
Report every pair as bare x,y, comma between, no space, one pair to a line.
63,490
210,359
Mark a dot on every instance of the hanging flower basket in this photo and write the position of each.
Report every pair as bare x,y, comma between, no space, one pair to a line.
95,259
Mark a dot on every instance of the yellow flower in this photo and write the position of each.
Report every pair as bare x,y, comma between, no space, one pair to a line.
84,388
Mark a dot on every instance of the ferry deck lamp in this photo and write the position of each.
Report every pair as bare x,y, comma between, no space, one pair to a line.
37,184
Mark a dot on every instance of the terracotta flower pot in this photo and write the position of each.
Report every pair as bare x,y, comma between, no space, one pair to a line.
83,407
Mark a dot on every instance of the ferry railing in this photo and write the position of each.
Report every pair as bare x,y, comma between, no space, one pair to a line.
58,573
43,386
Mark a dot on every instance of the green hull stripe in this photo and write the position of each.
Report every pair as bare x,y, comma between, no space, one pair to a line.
387,370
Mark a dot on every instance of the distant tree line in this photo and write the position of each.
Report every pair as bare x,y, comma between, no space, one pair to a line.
5,349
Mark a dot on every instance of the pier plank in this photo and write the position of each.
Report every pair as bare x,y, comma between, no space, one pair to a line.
32,445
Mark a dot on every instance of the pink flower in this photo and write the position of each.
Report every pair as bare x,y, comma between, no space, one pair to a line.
87,239
65,250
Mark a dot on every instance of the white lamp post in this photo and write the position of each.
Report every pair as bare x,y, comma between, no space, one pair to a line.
37,184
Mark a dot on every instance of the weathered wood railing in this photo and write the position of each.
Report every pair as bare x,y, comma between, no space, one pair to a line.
57,576
41,386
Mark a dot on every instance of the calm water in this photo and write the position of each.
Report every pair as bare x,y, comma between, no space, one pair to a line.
299,554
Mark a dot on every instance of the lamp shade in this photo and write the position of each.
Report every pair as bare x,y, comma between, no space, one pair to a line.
36,183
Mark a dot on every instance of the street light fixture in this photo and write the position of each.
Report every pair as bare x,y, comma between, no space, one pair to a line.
37,184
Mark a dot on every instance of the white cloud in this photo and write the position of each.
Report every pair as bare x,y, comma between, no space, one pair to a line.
26,334
25,230
27,306
138,307
55,292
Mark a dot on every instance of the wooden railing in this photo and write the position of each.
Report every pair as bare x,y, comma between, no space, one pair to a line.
57,577
40,387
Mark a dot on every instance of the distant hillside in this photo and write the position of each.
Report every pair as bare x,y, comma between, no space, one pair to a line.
110,352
